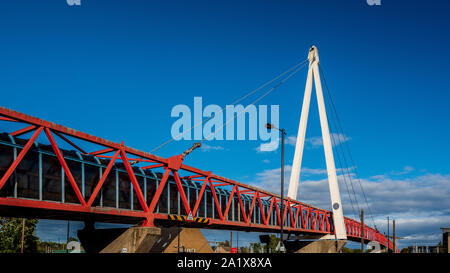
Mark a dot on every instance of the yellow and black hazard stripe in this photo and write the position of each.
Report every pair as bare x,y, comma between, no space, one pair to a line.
202,220
184,218
176,217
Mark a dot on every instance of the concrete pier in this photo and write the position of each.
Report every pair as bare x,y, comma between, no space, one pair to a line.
119,240
143,240
315,246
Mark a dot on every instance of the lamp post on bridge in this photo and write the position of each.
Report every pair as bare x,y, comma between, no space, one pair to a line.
283,133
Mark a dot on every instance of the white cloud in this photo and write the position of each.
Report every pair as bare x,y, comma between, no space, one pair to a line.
207,148
310,143
420,204
316,141
291,140
406,170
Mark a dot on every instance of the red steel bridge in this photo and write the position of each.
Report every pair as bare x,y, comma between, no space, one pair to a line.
118,184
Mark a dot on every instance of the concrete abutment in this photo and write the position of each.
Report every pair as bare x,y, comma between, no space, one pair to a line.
141,239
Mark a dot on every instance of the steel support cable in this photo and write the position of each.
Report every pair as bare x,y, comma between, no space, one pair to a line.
335,145
237,101
339,135
348,147
260,98
343,174
338,144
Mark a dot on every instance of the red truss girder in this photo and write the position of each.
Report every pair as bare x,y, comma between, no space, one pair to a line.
307,218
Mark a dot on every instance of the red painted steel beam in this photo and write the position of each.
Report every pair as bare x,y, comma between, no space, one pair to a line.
262,226
65,167
70,142
134,181
230,199
222,184
37,204
153,166
7,119
277,212
102,151
217,204
158,192
181,192
192,176
255,195
194,179
296,216
23,131
244,214
20,157
261,208
199,197
102,179
269,213
98,154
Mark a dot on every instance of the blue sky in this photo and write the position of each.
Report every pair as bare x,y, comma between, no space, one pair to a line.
115,69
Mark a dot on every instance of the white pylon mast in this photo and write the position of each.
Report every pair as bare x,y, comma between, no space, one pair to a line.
313,73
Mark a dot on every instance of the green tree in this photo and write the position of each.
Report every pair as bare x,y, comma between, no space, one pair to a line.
274,240
351,250
243,249
405,250
11,235
256,247
226,243
44,247
73,239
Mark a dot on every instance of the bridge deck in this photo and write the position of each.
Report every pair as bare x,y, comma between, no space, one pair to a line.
45,181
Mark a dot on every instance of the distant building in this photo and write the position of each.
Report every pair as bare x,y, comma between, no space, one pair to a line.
444,248
445,234
423,249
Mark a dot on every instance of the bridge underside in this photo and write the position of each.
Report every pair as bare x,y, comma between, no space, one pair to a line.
25,210
161,220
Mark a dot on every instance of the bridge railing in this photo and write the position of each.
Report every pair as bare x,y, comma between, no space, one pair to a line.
120,181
